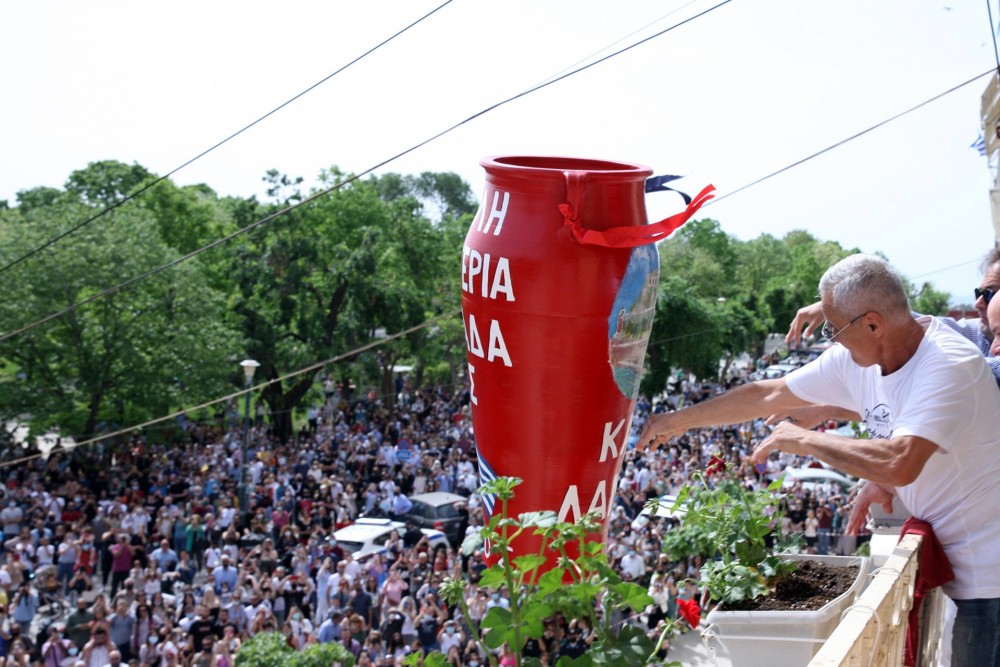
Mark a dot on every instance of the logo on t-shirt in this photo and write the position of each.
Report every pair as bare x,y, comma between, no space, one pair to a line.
879,421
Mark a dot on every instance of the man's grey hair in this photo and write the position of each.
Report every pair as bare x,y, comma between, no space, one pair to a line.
862,282
992,257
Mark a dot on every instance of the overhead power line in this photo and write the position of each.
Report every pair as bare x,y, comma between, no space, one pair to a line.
205,152
993,34
351,179
340,184
848,139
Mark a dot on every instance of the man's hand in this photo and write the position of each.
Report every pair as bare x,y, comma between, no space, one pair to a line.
658,430
785,437
806,321
870,493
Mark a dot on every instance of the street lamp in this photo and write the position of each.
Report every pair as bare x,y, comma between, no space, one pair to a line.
249,366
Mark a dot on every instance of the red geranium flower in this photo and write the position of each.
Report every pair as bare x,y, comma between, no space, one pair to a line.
715,464
690,611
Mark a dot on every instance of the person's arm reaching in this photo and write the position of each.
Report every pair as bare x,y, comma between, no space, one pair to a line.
895,461
748,401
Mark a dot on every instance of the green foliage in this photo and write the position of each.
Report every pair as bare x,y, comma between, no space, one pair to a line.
371,258
105,182
929,301
731,527
720,297
335,274
270,649
569,575
687,333
136,354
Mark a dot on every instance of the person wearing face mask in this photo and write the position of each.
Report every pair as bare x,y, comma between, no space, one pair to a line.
450,637
471,656
56,649
302,628
497,600
225,573
632,565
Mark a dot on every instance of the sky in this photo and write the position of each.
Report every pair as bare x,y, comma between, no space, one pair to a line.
726,98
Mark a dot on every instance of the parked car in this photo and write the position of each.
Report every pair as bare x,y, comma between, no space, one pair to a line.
368,536
811,477
440,511
773,371
665,510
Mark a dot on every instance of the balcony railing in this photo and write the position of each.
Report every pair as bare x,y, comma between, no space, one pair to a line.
873,631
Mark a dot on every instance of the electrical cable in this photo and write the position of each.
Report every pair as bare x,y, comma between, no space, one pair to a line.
350,179
306,369
270,217
336,186
993,34
848,139
138,192
620,40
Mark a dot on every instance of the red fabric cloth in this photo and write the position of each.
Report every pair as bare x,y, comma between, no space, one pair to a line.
934,571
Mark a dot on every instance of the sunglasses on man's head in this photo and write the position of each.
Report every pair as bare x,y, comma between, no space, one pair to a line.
987,293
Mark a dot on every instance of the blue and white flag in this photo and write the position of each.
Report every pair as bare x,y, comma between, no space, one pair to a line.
979,144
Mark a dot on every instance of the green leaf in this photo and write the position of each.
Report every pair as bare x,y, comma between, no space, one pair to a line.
498,623
551,581
471,542
492,577
432,659
543,519
631,648
529,562
633,596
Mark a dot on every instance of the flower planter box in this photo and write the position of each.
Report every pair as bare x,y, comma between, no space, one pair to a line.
781,638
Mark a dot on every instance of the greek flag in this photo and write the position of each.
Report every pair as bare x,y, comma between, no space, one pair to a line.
979,144
486,474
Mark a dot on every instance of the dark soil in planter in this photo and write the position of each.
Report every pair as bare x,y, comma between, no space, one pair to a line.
810,587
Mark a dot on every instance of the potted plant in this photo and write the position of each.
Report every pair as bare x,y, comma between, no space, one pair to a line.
738,531
571,576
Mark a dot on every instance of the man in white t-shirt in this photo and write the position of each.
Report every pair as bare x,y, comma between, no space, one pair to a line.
932,411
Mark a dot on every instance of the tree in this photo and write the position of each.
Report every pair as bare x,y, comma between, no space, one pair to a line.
360,262
687,334
928,300
103,183
134,354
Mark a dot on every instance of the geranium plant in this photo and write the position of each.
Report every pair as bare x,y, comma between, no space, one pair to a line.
737,530
581,584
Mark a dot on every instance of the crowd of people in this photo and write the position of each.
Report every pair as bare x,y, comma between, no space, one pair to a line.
140,553
146,546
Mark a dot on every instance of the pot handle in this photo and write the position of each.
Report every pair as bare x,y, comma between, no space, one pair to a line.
625,237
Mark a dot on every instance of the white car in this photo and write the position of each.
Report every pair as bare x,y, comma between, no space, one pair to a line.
811,477
368,536
773,372
665,510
